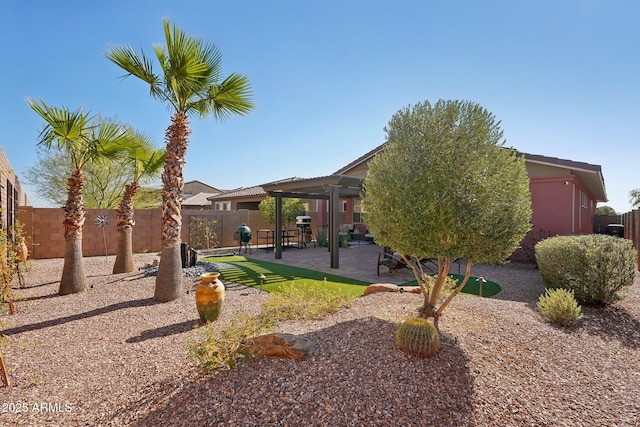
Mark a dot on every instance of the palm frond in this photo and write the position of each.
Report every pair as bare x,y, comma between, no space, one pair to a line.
232,96
136,65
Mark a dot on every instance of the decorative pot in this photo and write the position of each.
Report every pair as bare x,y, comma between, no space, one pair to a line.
209,297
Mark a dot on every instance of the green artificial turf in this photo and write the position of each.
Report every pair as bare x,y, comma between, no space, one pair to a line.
246,271
472,287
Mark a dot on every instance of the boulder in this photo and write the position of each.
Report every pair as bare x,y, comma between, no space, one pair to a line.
279,345
381,287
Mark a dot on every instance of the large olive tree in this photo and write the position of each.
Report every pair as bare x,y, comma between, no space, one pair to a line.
444,188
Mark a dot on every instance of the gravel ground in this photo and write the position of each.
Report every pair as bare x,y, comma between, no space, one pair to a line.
111,356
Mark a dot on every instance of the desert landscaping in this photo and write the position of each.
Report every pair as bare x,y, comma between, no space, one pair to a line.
112,356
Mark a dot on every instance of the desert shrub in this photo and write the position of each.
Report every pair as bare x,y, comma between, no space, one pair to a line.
595,267
305,300
223,348
559,306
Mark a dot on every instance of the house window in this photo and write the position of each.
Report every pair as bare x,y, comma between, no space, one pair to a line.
343,205
310,205
358,211
10,212
583,200
223,206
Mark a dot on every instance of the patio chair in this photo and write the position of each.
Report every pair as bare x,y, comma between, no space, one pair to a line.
431,264
394,263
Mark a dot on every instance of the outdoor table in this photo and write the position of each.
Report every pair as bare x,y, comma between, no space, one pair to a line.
266,237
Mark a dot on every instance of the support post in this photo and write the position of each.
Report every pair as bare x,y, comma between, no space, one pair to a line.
278,233
334,239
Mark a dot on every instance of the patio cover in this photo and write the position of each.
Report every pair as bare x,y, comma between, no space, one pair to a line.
331,188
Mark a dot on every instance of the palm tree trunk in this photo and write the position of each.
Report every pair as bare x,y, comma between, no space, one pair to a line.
125,224
169,278
73,278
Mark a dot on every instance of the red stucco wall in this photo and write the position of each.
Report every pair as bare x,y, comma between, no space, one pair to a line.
557,205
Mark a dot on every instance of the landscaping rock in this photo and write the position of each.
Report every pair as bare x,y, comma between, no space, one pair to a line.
280,345
381,287
411,289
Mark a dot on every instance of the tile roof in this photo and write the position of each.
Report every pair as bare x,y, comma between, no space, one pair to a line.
250,191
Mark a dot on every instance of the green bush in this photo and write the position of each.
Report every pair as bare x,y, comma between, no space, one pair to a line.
595,267
223,349
559,307
305,300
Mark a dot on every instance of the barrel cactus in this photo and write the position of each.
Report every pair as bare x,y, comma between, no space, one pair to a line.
418,337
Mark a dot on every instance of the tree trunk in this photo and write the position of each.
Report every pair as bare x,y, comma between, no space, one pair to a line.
169,278
124,225
73,278
124,252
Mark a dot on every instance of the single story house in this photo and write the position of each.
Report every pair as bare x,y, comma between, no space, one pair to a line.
12,195
564,193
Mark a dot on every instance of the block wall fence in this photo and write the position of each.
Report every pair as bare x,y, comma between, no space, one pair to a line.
43,229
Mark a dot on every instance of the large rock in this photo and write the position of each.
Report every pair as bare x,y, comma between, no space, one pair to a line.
381,287
280,345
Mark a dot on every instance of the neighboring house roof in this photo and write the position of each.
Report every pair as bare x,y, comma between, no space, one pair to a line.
200,199
239,192
201,186
257,190
590,175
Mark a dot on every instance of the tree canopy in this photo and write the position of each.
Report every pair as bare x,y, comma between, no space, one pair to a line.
605,210
104,180
291,208
634,197
444,187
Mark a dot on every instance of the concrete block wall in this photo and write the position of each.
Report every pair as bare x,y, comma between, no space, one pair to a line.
43,229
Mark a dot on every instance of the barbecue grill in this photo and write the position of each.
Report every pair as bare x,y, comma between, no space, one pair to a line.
303,222
243,236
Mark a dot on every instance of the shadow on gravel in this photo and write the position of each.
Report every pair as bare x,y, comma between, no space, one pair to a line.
79,316
612,322
164,331
357,377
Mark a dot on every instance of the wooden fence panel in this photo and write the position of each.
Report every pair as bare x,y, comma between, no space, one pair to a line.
600,222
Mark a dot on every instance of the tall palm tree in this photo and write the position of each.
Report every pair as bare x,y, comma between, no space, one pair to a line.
74,133
146,162
190,82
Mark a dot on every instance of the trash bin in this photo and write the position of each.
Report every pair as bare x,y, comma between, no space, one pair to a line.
188,256
615,230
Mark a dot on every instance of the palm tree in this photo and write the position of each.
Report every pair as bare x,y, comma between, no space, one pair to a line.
74,133
191,84
146,163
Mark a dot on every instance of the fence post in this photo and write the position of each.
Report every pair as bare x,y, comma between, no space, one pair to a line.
635,220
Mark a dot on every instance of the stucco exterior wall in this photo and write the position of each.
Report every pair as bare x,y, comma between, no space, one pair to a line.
559,207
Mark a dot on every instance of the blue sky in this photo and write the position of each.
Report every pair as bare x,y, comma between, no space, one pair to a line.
562,76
